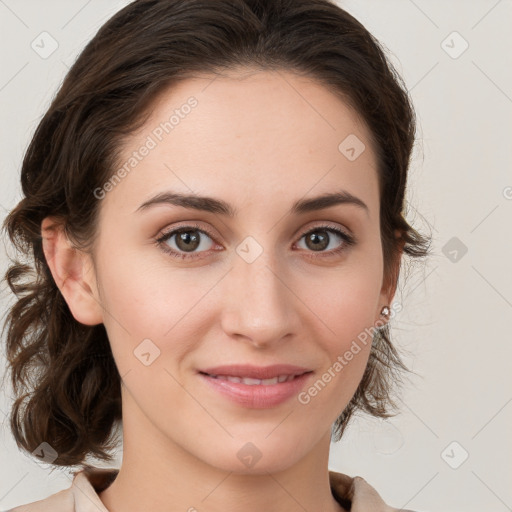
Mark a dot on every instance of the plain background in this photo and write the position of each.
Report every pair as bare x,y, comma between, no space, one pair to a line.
455,323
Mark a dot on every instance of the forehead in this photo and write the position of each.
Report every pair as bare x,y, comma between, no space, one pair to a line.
248,136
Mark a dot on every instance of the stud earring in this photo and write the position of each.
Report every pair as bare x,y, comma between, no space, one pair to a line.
385,311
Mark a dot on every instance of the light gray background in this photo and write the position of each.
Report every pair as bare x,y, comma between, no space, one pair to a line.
457,309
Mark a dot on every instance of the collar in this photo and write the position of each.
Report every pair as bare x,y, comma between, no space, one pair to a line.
353,493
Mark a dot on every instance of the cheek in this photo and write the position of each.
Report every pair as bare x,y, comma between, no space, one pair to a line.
344,306
345,302
347,345
151,302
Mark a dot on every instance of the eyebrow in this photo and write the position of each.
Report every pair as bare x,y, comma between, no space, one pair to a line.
218,206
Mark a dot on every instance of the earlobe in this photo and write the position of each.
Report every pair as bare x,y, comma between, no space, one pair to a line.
390,284
68,266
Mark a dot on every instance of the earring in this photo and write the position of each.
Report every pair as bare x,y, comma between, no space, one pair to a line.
385,311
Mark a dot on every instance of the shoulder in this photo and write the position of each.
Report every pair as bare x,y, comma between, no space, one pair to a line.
79,496
61,501
358,495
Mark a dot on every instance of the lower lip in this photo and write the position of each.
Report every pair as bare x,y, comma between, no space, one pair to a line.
258,396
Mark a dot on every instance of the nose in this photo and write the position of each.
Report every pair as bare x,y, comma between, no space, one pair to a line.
259,303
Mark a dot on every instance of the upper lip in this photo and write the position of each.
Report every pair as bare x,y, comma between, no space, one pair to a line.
256,372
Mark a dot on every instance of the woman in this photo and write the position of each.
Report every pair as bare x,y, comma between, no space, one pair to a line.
214,202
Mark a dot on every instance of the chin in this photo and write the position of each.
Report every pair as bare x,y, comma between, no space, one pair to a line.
261,467
253,458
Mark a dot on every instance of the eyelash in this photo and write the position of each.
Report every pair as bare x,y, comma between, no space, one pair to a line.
348,240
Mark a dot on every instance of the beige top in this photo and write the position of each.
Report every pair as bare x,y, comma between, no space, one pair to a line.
354,494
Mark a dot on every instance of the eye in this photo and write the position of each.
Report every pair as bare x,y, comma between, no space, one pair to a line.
188,242
185,242
318,239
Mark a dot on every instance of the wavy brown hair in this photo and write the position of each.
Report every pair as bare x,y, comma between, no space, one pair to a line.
66,384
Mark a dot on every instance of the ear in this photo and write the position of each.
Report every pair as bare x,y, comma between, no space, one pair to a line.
390,282
73,273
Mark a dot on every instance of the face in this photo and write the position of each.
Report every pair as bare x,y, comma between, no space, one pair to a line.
267,285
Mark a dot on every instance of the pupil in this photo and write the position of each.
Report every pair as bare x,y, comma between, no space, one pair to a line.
190,241
318,241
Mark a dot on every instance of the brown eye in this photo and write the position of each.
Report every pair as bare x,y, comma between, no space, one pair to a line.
186,242
320,238
317,240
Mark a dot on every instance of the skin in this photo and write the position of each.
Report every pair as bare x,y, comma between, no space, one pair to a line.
259,140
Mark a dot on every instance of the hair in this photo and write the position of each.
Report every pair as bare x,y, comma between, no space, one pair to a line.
66,385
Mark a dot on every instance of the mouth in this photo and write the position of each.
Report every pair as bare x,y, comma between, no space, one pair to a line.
256,387
253,375
249,381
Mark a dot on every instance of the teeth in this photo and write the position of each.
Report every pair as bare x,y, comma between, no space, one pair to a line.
252,382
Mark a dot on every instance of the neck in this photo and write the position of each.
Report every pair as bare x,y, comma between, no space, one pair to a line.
157,474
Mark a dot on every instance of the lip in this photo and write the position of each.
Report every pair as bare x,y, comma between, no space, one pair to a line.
259,396
256,372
